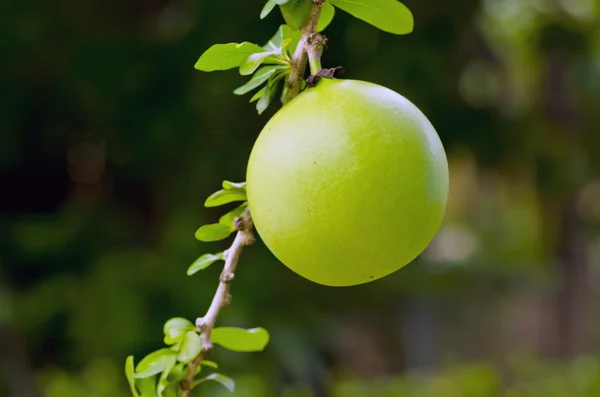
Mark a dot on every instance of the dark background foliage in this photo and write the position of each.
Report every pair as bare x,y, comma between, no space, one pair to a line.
110,141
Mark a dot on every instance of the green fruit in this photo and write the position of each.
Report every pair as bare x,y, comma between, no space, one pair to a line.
347,183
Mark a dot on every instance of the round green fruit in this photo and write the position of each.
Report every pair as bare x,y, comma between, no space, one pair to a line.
347,183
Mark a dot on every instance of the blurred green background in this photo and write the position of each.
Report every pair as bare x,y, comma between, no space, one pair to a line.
110,142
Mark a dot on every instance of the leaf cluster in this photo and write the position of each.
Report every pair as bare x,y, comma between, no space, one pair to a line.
270,65
159,373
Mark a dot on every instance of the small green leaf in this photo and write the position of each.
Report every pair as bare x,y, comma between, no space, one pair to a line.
284,91
387,15
153,363
178,372
226,56
295,12
258,79
208,363
239,339
234,185
327,14
274,44
295,40
229,217
250,64
222,379
203,262
129,373
147,386
163,382
265,100
191,345
258,94
225,196
175,328
213,232
268,8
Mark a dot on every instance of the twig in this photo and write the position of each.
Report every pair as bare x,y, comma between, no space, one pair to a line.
222,296
300,57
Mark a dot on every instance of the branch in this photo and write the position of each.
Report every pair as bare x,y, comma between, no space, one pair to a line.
310,46
222,296
300,57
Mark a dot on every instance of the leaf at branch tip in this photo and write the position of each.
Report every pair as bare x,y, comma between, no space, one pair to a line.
258,79
129,373
327,14
147,386
388,15
175,328
239,339
208,363
295,12
222,379
191,345
153,363
163,383
213,232
269,6
258,94
250,64
177,373
274,44
229,217
266,98
203,262
226,56
225,196
227,185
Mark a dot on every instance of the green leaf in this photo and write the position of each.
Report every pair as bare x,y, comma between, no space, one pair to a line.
226,56
327,14
147,386
268,8
295,12
208,363
175,328
258,94
191,345
265,100
225,196
129,373
387,15
163,382
222,379
213,232
275,43
153,363
234,185
178,372
239,339
250,64
229,217
295,40
203,262
258,79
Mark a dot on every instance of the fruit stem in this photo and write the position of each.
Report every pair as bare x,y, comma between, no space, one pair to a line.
300,57
314,50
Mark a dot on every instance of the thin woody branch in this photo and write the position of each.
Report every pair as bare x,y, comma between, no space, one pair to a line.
222,296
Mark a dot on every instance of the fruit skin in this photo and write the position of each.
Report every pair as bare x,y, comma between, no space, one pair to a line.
347,183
